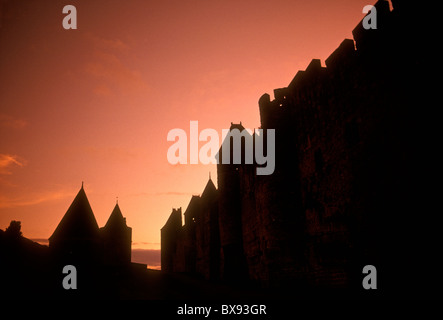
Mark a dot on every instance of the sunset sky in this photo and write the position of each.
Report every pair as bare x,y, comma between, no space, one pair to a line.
96,104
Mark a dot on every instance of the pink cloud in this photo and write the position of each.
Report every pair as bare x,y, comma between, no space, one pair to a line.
150,257
30,200
7,161
109,67
10,122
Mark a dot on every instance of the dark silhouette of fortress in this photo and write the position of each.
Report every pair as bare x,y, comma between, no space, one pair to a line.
195,247
78,237
349,184
354,185
101,256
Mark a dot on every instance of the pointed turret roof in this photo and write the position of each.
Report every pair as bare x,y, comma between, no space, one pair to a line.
116,218
210,189
78,222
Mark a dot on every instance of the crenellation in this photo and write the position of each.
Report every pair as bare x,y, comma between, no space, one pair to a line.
342,56
341,152
366,40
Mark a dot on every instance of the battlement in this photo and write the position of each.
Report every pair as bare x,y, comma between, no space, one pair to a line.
368,47
342,148
175,219
369,40
342,56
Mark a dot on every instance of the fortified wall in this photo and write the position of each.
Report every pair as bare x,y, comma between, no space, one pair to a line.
345,191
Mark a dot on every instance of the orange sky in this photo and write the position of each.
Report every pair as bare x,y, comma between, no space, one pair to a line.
95,104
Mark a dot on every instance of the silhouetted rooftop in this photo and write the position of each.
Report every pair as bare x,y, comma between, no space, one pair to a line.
238,126
209,189
78,221
116,218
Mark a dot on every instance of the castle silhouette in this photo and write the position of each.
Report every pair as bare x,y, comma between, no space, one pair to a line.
78,237
353,185
348,186
101,256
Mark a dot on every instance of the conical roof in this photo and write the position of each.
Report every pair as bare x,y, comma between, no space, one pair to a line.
78,222
116,218
209,190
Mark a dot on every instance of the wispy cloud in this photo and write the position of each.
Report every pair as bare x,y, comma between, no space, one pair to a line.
174,193
110,68
111,71
10,202
148,256
165,193
9,122
108,44
8,161
110,152
146,245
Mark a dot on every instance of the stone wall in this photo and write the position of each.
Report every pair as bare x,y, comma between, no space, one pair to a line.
347,156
